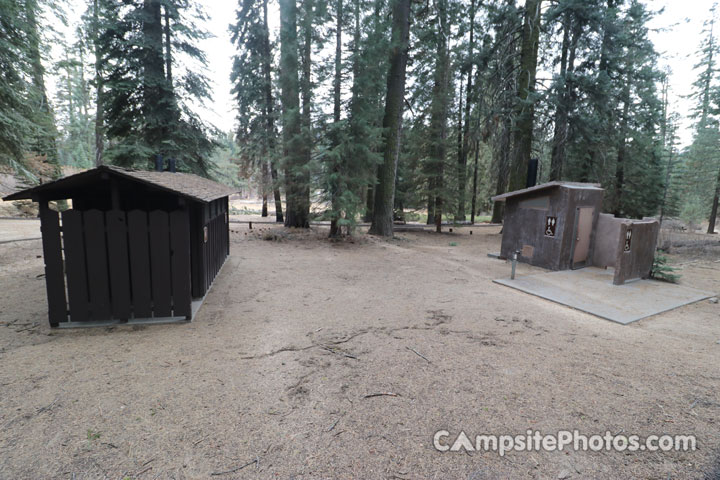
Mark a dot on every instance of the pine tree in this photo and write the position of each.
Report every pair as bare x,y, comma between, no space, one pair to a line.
464,129
701,162
73,105
146,113
382,223
44,142
297,178
525,113
437,147
16,122
253,91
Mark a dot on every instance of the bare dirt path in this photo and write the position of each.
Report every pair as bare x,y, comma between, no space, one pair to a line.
272,374
18,229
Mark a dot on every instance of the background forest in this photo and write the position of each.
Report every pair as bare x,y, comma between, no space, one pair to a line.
375,110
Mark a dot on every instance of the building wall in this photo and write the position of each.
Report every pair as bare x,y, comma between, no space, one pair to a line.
524,228
525,221
638,260
607,240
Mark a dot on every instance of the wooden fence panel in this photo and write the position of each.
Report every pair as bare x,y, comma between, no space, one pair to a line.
97,265
180,246
140,263
160,263
75,270
118,260
54,275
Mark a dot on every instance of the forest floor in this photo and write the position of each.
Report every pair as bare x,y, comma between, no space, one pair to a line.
274,377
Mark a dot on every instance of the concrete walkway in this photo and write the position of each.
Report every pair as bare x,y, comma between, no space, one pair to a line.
591,290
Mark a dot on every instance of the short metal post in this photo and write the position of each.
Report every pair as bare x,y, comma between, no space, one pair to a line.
514,263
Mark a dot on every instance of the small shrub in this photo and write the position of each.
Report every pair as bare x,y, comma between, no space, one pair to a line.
662,271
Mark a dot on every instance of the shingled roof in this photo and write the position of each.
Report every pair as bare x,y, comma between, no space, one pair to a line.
187,185
545,186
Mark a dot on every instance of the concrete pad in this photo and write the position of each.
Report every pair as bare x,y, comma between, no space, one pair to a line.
591,290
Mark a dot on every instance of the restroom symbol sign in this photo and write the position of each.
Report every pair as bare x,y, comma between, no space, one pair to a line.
550,224
628,240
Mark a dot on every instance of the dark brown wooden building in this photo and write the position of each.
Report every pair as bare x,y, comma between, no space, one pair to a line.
135,246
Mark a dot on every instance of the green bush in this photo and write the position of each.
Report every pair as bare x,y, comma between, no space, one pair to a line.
662,271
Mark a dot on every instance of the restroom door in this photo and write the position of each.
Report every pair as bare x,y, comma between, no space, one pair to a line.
583,230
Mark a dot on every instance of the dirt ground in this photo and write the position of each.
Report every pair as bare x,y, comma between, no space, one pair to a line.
270,379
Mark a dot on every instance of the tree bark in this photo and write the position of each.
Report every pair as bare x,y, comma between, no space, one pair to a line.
265,181
503,166
603,79
382,223
439,113
270,114
99,86
525,113
462,161
714,210
295,178
565,98
337,83
561,112
474,193
622,149
155,105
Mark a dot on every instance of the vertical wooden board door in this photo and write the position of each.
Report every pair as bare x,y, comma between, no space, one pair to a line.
583,231
160,263
97,265
54,276
180,263
139,264
119,264
75,269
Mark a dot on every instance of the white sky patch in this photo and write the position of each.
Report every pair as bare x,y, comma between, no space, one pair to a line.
676,34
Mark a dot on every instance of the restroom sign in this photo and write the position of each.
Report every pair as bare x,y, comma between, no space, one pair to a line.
628,240
550,224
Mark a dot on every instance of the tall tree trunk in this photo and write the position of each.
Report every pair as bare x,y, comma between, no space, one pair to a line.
303,193
503,167
265,183
297,206
462,160
99,86
270,113
622,150
601,106
439,113
431,199
525,113
155,103
369,202
461,169
714,210
382,223
337,83
561,112
565,97
474,191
